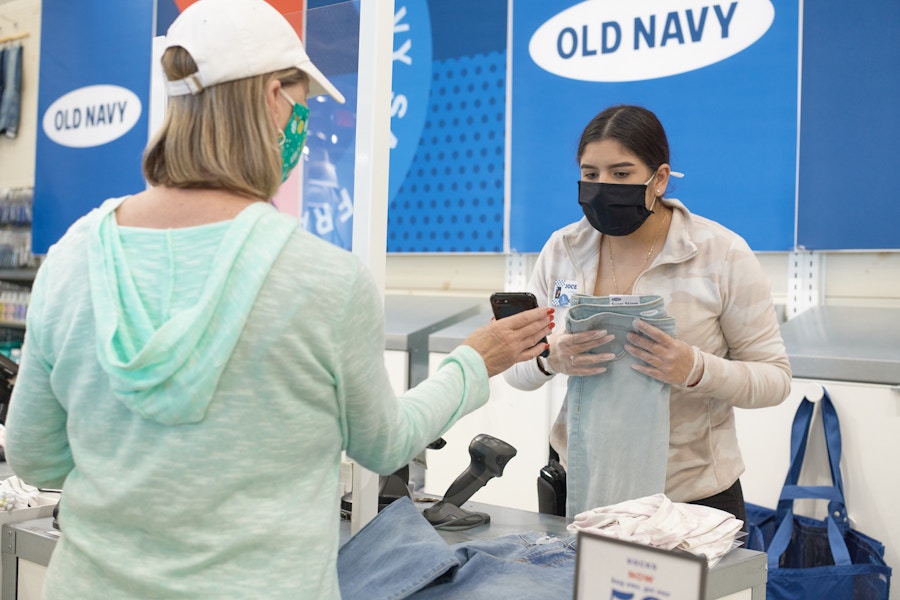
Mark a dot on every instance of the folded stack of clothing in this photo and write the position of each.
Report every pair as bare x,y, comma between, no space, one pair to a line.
657,521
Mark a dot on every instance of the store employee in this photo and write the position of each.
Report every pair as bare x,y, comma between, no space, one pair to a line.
636,244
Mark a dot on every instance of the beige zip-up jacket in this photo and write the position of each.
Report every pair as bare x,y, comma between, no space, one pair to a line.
721,299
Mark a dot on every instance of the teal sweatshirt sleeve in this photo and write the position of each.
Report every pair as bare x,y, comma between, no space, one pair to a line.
37,446
383,431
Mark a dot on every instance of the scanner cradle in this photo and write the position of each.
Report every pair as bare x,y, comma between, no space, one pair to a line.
489,457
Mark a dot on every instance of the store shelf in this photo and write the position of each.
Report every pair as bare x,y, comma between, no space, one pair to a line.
18,275
845,343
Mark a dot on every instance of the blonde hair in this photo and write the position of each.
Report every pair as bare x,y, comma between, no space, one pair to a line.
221,138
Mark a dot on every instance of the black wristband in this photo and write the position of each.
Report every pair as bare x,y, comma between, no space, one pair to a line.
541,367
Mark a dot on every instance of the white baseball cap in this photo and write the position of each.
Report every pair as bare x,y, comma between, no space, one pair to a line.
235,39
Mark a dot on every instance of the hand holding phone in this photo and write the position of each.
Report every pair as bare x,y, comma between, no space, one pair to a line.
505,304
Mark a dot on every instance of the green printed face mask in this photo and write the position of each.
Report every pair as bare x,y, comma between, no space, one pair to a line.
293,138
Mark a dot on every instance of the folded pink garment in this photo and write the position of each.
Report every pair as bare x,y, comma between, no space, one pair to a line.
657,521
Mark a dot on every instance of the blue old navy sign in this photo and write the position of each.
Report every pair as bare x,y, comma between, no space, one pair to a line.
633,40
91,116
93,92
722,75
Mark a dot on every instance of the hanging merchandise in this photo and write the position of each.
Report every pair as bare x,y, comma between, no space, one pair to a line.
810,558
15,228
14,300
10,89
16,206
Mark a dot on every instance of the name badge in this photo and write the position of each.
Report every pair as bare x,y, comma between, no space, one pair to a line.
563,290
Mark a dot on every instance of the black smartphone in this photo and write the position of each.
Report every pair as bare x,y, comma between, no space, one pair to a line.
505,304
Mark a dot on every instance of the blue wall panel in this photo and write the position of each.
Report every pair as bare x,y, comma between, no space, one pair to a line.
849,126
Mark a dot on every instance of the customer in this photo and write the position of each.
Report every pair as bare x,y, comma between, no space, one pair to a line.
727,352
195,363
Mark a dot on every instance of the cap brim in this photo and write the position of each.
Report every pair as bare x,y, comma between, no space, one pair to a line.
319,84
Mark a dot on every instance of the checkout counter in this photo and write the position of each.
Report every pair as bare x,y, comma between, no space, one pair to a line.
420,330
27,546
739,575
520,418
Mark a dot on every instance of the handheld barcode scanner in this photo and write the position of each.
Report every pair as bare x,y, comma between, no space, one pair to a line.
489,456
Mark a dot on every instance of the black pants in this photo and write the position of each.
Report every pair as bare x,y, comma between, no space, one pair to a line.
731,500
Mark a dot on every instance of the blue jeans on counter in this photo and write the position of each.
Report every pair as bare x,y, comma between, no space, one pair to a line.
618,421
399,555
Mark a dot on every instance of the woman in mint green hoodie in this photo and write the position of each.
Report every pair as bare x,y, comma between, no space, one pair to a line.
195,363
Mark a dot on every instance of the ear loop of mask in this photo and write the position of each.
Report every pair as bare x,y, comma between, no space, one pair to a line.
293,104
671,174
652,204
290,100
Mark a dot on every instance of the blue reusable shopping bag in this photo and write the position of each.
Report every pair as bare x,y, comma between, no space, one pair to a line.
810,558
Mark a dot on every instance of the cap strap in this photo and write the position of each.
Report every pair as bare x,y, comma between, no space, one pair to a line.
188,85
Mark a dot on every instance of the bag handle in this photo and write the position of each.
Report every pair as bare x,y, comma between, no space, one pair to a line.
836,520
799,436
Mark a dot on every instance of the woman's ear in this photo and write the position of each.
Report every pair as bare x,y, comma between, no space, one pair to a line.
273,94
661,180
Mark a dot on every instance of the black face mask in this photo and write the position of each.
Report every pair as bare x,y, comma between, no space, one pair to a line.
614,208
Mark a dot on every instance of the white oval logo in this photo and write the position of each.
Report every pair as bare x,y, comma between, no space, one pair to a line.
632,40
92,116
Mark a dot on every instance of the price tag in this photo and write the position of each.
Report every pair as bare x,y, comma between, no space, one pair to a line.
624,300
611,569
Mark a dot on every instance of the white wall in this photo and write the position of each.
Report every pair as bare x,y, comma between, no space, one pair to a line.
851,278
17,155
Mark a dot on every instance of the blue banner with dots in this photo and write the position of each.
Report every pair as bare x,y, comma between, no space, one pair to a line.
447,127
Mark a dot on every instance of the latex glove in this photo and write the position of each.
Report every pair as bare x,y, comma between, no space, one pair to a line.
666,358
504,342
569,352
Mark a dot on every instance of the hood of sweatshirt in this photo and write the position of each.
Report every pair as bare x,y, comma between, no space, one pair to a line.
169,373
